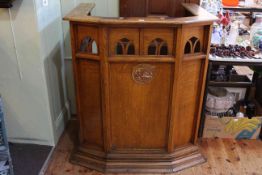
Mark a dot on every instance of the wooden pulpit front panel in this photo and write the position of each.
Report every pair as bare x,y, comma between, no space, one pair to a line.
140,108
142,82
140,87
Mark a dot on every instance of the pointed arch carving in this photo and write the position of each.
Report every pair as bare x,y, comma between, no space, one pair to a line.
193,45
125,47
89,45
158,47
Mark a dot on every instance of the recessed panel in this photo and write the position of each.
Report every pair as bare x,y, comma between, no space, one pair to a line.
189,90
90,102
139,105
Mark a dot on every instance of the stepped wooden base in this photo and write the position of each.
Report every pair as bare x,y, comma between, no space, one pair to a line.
182,158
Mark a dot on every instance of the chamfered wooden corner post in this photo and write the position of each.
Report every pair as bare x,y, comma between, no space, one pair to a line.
139,86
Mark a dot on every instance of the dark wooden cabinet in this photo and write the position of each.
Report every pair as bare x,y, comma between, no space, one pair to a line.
142,8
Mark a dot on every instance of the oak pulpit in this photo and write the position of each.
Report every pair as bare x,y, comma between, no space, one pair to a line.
139,86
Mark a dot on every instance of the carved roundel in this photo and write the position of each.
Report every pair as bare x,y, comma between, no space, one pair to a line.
143,73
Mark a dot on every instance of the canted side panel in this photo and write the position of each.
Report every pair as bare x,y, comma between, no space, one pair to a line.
189,90
87,40
90,102
139,107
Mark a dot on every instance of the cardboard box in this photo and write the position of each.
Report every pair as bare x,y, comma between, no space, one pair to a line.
232,127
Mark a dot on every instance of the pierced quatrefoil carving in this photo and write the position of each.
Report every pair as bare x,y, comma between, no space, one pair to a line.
125,47
89,45
158,47
192,46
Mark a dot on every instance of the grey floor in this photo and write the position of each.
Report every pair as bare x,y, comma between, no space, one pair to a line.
28,159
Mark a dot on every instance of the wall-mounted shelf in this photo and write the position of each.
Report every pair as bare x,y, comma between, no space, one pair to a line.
6,3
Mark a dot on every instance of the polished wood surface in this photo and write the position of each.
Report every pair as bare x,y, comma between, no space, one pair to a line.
139,86
83,9
198,15
89,71
140,125
224,156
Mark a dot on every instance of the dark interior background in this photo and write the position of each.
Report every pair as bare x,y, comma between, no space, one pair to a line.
142,8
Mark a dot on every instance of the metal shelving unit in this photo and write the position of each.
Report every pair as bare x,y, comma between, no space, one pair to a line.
250,9
230,84
6,167
248,85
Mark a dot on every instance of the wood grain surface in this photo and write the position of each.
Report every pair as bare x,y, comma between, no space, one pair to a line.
197,14
224,157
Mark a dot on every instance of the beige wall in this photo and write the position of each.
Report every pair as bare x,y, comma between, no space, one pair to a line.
109,8
31,71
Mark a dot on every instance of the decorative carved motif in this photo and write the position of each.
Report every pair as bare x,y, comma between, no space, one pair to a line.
158,47
143,73
192,46
125,47
89,45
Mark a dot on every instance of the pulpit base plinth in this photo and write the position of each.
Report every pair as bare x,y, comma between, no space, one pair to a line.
182,158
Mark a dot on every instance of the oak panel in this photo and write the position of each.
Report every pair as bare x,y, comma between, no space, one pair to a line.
149,35
139,112
116,34
189,89
90,102
86,31
196,32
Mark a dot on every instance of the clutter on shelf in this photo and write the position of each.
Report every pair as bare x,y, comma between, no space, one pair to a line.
233,51
229,114
256,33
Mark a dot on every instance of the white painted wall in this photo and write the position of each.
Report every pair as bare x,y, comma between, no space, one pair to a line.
34,41
49,20
31,71
107,8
